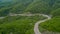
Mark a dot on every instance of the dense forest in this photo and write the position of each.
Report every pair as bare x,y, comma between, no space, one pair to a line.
18,24
25,24
32,6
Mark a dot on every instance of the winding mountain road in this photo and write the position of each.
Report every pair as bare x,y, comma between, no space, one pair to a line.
36,29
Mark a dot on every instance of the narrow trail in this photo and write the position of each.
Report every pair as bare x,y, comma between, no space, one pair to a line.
36,26
2,17
36,29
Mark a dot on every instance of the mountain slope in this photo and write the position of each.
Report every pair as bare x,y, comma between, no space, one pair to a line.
32,6
19,24
52,25
43,6
14,6
50,7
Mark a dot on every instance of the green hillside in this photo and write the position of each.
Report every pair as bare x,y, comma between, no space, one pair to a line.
32,6
18,24
43,6
15,6
52,25
56,12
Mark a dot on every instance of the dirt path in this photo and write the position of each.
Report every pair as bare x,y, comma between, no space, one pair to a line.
2,17
36,28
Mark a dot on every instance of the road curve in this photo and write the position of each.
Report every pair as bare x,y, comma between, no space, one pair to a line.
36,28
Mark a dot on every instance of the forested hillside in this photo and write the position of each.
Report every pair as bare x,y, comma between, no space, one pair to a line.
32,6
25,24
13,6
18,24
52,25
43,6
